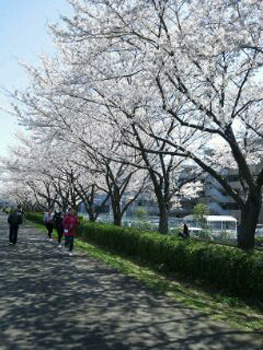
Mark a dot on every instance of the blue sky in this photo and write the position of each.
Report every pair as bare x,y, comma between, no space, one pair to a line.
23,36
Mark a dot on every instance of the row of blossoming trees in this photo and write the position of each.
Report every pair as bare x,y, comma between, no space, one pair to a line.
138,90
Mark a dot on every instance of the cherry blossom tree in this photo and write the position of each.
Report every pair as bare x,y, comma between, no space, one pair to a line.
73,106
50,113
205,57
146,84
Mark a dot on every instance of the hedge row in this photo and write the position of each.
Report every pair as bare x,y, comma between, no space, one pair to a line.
35,217
224,267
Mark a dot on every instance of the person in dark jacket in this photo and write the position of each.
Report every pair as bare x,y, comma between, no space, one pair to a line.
15,219
58,220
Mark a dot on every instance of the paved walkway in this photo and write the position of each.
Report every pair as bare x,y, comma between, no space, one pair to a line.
51,301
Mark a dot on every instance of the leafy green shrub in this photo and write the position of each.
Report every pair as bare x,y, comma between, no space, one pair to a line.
175,230
35,217
143,226
203,235
221,266
201,210
7,210
81,218
259,241
140,213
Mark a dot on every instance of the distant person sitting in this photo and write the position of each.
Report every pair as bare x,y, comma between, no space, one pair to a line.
185,234
14,219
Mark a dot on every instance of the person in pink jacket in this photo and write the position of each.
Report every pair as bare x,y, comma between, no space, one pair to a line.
70,224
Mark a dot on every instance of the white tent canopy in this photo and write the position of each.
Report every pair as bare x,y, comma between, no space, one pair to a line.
215,222
210,218
223,218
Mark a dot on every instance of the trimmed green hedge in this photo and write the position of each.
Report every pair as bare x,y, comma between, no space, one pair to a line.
224,267
35,217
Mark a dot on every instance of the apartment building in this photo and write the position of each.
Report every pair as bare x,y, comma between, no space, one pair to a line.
219,202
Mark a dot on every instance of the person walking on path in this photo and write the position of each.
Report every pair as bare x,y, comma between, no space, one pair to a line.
58,220
70,224
48,221
15,219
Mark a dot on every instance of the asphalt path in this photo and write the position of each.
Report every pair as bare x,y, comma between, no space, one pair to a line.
49,300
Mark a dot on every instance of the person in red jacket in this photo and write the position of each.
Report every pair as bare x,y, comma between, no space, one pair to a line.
70,224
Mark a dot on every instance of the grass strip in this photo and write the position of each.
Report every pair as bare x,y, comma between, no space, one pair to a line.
233,311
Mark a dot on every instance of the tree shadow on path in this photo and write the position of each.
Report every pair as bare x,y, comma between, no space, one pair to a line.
51,301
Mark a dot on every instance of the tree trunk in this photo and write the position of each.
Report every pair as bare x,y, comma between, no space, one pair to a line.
117,215
90,212
116,205
163,223
249,220
117,220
